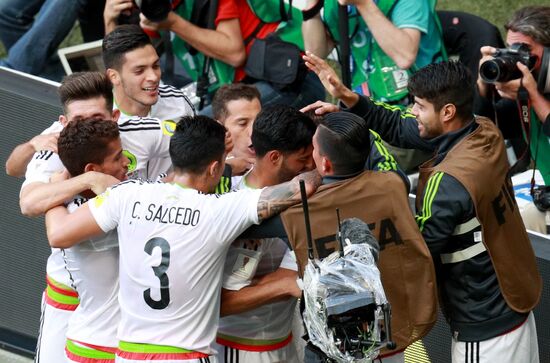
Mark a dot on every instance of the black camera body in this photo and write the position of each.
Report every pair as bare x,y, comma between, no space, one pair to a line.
503,68
154,10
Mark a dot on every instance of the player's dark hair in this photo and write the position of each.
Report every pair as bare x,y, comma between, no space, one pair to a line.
231,92
281,128
84,86
85,141
343,138
533,21
443,83
124,39
197,141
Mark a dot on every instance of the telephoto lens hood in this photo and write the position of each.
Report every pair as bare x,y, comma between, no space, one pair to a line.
155,10
543,78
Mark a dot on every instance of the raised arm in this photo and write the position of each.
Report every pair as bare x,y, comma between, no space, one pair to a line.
17,162
277,198
66,229
225,43
316,39
400,44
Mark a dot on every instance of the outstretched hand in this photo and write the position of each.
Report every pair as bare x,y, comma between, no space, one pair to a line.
330,79
320,108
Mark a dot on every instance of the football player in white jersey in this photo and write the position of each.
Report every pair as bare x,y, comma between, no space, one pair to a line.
133,66
93,265
256,318
173,239
82,97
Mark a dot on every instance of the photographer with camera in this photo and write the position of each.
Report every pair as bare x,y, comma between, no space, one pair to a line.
514,90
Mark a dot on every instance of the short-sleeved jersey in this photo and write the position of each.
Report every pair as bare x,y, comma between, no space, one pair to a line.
246,259
146,139
173,242
93,269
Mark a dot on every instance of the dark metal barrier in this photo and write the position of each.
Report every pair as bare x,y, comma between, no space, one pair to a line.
27,106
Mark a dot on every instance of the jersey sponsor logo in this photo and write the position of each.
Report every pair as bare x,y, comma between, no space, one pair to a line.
168,127
165,215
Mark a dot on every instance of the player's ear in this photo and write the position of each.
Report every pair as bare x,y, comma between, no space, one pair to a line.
115,114
326,166
92,167
275,157
447,112
113,76
213,168
63,120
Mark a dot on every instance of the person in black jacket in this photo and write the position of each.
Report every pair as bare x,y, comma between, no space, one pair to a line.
441,118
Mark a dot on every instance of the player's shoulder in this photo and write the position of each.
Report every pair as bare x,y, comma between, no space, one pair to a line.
134,183
170,96
56,126
137,123
166,91
44,155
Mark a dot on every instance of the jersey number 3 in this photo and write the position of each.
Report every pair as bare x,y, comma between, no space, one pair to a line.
160,272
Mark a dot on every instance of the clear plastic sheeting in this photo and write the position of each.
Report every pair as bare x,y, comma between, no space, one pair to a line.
343,304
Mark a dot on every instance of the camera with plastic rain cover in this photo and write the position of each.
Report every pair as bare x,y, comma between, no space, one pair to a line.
503,66
347,315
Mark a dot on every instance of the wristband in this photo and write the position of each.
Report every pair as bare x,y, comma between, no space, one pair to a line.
314,10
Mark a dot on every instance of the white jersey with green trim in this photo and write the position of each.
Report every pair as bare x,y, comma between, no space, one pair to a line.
172,104
173,242
93,269
146,142
247,259
146,139
42,166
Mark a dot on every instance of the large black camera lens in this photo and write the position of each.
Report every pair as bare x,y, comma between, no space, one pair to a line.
155,10
499,70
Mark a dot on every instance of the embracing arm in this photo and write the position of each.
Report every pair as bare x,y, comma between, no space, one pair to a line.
276,286
36,198
17,162
275,199
66,229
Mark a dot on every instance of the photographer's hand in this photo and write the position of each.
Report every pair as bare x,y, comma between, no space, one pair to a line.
486,54
508,89
539,103
163,25
113,9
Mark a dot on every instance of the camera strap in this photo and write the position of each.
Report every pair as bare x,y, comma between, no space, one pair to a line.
524,107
